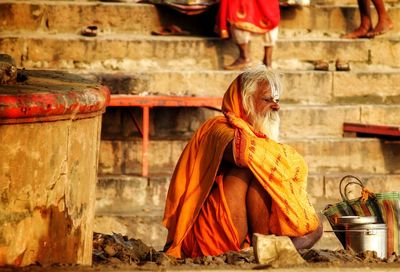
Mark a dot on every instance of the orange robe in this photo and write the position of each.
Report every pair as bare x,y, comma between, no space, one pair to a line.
278,167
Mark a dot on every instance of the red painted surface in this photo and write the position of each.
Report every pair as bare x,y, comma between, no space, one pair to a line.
372,129
164,101
42,99
147,102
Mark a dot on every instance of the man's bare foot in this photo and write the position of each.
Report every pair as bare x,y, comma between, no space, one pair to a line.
238,64
383,26
360,32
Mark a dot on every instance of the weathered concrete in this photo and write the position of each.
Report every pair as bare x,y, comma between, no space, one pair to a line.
376,85
47,190
60,17
138,53
50,136
123,194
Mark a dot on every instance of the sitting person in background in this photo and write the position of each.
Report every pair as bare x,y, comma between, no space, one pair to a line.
235,179
242,18
366,29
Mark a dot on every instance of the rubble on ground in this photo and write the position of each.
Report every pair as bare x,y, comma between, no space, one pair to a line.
118,249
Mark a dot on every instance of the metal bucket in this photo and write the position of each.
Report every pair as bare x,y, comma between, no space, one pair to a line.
361,233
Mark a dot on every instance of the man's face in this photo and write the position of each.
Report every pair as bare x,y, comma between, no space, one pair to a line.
265,117
264,100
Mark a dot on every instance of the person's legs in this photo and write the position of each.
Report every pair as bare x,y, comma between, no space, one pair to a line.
384,22
250,206
268,56
366,23
242,39
270,39
258,204
236,183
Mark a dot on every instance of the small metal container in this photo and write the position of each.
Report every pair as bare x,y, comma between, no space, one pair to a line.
361,237
361,233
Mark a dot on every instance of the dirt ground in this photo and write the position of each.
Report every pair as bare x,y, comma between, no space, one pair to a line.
120,253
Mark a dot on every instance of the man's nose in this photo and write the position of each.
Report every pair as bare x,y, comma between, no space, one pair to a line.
275,106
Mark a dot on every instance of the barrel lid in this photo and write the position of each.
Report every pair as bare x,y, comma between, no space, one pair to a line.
42,95
354,219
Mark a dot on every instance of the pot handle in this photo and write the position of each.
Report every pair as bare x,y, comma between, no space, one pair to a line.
343,191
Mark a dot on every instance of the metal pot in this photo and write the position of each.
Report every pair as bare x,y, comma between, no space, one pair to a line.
361,233
361,237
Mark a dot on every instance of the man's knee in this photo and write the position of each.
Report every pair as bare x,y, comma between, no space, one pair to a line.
238,174
310,239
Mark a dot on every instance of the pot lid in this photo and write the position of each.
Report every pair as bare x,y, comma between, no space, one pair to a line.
354,219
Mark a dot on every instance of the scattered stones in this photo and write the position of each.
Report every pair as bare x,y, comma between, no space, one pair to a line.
117,249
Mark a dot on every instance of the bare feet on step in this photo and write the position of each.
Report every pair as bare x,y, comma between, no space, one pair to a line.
360,32
383,26
238,64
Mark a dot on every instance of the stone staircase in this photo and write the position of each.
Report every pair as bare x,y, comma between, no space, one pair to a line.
124,56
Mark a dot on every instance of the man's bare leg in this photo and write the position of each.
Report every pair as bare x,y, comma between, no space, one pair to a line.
243,60
236,183
258,204
268,56
384,22
366,23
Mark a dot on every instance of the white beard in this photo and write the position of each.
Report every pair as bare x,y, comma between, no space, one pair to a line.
268,124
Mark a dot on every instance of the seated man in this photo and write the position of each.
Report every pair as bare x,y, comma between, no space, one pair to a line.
234,179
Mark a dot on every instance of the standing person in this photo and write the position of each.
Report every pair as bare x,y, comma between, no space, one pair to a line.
242,18
235,179
366,29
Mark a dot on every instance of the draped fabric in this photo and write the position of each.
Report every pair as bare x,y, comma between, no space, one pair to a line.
188,7
257,16
278,167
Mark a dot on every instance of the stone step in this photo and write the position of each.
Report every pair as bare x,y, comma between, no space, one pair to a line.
364,84
146,227
297,121
323,155
128,194
72,17
134,205
129,53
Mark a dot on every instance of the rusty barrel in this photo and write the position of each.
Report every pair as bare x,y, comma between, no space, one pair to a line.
49,147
